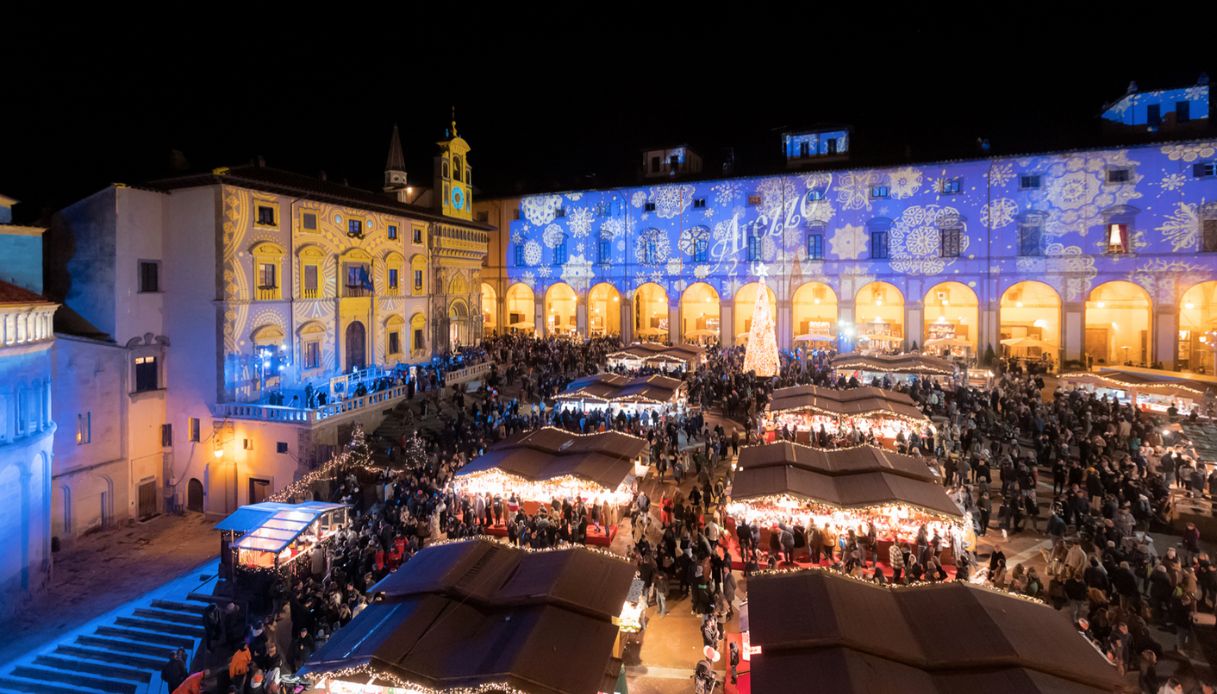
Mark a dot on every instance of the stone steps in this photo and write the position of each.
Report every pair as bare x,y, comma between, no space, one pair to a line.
161,627
60,677
125,646
111,656
148,637
93,667
183,618
20,684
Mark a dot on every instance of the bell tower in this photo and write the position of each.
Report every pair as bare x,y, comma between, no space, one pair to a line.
395,168
454,189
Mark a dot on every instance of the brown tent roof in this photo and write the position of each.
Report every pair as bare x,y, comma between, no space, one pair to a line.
899,363
618,388
848,478
850,402
850,636
1145,383
472,613
685,352
605,459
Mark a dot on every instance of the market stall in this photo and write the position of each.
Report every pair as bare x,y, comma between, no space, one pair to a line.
551,463
850,636
666,358
900,368
845,489
1149,392
281,533
482,616
616,393
807,409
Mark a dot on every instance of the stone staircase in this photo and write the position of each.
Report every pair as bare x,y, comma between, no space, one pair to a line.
123,654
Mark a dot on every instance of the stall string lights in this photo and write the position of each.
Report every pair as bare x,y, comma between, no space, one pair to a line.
496,481
894,587
372,673
560,547
1130,386
356,456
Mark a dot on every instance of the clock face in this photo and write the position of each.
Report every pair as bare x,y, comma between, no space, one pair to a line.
458,198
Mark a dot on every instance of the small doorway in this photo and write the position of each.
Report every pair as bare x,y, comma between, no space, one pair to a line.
147,499
356,344
259,489
194,495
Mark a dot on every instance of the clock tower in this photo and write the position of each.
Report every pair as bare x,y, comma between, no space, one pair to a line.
453,188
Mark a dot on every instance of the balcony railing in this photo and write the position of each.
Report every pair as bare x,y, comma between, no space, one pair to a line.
309,293
354,290
310,416
266,293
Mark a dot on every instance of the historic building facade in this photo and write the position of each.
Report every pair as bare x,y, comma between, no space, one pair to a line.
1107,254
264,311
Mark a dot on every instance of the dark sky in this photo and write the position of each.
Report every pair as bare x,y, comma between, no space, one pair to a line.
546,97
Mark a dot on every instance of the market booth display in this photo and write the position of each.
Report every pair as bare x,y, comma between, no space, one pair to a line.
845,489
482,616
807,409
900,368
1153,392
616,393
851,636
666,358
551,463
272,535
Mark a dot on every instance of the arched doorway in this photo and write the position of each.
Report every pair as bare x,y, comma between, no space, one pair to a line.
519,306
952,319
1118,324
194,495
604,310
814,312
700,314
356,346
458,323
1197,326
490,310
651,312
561,308
745,304
879,317
1030,320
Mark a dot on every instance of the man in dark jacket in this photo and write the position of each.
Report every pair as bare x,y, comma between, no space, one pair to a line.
174,671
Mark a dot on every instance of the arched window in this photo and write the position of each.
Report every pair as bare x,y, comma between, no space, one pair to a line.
268,269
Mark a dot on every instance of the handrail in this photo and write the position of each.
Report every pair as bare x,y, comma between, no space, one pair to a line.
309,416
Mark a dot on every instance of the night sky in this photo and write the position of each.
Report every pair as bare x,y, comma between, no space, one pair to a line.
546,99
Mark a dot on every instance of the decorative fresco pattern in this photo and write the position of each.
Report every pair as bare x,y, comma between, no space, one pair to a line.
631,236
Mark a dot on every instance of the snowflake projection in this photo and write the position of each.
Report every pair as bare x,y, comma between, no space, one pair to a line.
853,189
540,209
612,228
854,277
1190,152
1078,192
776,194
675,267
574,197
701,272
580,221
517,238
671,201
730,287
903,183
726,193
688,239
679,286
724,230
1162,278
818,181
544,272
580,247
848,242
661,247
709,213
1172,182
620,246
640,278
818,211
998,213
553,235
1000,174
1030,264
528,278
1181,227
532,253
914,239
578,273
793,239
656,276
639,199
1075,264
769,249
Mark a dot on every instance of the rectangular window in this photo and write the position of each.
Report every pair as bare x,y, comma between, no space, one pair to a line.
310,281
418,233
147,376
419,343
754,248
1153,115
952,186
247,444
392,278
804,149
1029,182
948,242
84,428
754,200
149,276
354,227
266,216
878,191
701,249
699,203
266,276
312,355
1117,238
604,251
192,424
258,490
1029,240
519,254
1209,232
308,221
815,246
815,195
832,145
1183,112
878,245
674,163
394,342
649,207
1118,175
166,435
560,212
655,164
560,253
392,231
1204,169
281,447
418,280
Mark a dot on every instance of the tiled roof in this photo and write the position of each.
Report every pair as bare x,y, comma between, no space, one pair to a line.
12,294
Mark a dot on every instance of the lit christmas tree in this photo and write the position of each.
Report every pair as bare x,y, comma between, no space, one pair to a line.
761,355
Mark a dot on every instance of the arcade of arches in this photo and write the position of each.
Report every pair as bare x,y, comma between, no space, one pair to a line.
745,304
1118,316
604,310
561,310
1198,328
700,314
651,312
814,313
879,315
489,302
519,308
952,318
1031,320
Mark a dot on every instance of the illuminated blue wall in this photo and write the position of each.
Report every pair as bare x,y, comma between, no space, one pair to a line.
1133,109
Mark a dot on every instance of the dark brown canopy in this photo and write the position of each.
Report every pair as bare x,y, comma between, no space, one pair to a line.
1140,382
899,363
471,613
690,354
618,388
544,454
846,478
850,402
849,636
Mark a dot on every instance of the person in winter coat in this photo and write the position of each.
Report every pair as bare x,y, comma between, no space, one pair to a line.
174,671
